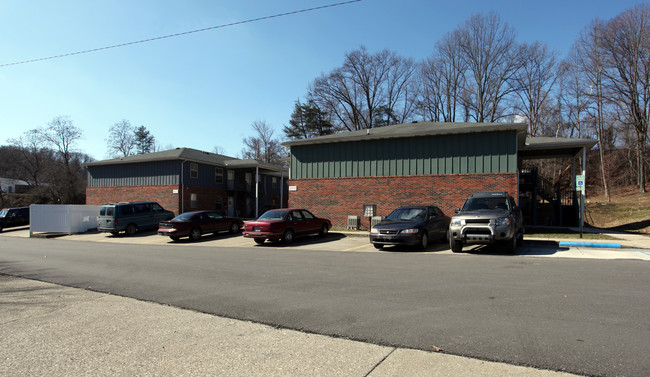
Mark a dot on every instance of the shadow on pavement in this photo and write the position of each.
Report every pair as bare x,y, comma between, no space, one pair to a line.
306,240
528,248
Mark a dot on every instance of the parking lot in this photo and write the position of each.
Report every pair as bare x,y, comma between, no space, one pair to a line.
356,242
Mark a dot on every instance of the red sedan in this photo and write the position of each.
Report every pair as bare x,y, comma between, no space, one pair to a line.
195,224
285,225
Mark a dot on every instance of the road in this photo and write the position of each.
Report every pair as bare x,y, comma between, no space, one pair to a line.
580,316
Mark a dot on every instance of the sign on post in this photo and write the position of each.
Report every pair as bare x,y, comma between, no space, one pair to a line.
580,183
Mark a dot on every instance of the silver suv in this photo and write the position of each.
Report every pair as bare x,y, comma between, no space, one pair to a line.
487,218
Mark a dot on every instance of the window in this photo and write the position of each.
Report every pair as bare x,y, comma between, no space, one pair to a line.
231,175
194,201
274,183
141,208
307,215
218,175
194,170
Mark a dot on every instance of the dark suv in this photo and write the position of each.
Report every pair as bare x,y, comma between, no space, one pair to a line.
18,216
486,218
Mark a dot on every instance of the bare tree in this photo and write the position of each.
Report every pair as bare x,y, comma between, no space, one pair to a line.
264,146
491,54
533,82
443,77
217,149
62,134
367,88
69,185
33,159
587,59
626,43
121,139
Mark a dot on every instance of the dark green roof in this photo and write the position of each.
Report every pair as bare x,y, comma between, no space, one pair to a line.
189,154
528,147
413,130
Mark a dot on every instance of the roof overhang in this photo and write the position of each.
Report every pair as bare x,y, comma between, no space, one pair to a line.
553,147
252,164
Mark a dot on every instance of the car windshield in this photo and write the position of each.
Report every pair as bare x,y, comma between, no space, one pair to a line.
409,214
184,216
273,215
3,213
485,204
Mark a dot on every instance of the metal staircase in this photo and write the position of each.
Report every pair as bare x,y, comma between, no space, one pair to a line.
547,203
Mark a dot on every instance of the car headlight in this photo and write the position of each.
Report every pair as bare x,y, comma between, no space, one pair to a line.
410,231
503,221
374,231
457,222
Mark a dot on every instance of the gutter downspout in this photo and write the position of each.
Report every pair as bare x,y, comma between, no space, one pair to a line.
182,187
257,189
281,189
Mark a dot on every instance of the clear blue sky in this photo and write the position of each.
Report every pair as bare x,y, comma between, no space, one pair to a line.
205,89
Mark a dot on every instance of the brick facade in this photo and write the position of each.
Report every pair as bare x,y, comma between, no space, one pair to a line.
207,198
164,195
336,198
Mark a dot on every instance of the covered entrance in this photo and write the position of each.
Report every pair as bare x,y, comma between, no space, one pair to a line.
545,202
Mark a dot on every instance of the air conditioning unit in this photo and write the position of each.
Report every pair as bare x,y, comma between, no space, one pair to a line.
354,222
376,220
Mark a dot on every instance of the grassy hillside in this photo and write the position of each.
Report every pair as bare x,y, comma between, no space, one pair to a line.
628,210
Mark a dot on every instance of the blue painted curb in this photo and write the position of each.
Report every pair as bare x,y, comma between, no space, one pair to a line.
591,244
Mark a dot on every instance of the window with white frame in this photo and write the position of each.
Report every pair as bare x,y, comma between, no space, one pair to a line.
194,201
218,175
194,170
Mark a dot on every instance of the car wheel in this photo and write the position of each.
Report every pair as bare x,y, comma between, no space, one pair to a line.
424,241
323,230
287,237
234,228
259,241
377,246
131,229
456,246
520,239
511,245
195,234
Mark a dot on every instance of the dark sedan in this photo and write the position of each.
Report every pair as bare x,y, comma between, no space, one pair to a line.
413,226
195,224
285,225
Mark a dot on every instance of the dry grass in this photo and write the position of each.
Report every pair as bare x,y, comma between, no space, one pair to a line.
628,210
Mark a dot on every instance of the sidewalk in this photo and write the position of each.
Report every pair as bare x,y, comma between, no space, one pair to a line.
51,330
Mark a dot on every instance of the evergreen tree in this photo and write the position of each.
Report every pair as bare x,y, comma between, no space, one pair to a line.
308,120
144,140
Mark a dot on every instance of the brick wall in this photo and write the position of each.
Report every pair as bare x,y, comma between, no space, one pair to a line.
162,194
206,198
336,198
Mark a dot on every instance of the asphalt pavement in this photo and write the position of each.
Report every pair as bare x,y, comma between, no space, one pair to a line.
53,330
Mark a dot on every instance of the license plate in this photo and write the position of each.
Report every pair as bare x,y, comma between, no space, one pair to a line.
256,229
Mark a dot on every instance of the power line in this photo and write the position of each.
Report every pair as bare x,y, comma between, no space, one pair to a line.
183,33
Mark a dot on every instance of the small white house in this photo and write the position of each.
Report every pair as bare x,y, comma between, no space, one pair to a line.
8,185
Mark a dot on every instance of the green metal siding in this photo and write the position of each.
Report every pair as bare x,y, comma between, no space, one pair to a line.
486,152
